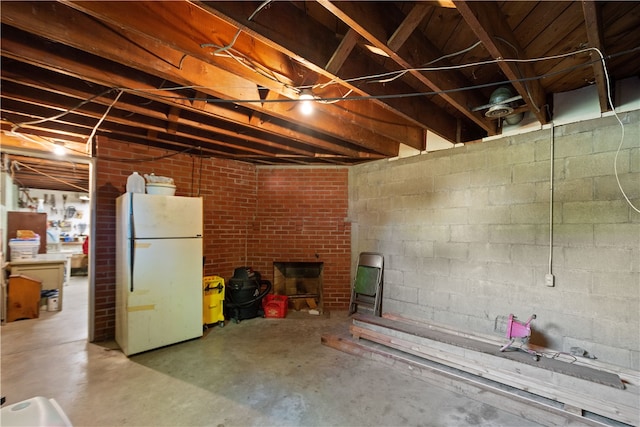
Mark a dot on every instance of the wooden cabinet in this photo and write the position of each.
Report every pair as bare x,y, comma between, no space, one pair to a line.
34,221
23,297
48,268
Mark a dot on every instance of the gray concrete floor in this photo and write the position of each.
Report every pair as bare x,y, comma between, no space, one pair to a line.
260,372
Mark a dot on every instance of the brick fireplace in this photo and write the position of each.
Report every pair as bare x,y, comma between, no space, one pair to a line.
301,282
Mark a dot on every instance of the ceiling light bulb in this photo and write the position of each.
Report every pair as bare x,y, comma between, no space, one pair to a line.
306,104
59,150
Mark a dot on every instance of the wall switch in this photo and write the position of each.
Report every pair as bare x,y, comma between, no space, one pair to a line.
549,280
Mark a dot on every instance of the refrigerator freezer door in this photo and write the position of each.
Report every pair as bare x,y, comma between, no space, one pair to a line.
165,306
166,216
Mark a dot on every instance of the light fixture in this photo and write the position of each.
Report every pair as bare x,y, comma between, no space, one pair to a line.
306,102
58,149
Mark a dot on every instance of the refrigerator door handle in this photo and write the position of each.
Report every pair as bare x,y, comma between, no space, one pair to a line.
132,242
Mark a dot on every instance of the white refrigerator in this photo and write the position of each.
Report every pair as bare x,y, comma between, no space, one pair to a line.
158,270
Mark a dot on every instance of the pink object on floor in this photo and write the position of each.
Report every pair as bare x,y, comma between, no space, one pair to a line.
517,329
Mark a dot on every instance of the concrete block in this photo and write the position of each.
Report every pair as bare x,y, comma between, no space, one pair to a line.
490,214
634,159
512,194
451,250
459,198
469,233
436,232
452,181
469,161
530,172
569,280
574,145
419,248
607,188
393,277
608,332
572,190
531,255
606,212
490,176
450,216
616,284
523,152
573,234
419,279
402,293
530,213
510,274
434,298
624,358
489,252
438,267
596,164
599,259
512,233
463,269
619,235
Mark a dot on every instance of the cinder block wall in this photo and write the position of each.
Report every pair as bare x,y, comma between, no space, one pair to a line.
465,234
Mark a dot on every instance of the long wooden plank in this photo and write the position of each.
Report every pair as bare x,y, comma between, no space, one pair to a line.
511,400
582,372
621,405
627,376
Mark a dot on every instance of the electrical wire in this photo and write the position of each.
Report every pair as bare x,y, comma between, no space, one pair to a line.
95,128
145,159
50,176
615,113
391,96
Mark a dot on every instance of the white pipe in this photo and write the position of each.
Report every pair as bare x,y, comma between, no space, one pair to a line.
551,161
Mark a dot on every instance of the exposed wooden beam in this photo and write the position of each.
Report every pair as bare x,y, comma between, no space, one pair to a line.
487,22
593,24
312,45
410,23
25,51
73,28
342,52
371,25
173,27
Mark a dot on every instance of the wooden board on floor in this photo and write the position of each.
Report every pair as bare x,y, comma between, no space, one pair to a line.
452,351
583,372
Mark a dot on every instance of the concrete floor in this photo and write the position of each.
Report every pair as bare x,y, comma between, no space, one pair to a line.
260,372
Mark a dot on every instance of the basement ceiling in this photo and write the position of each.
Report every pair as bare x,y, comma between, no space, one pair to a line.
224,79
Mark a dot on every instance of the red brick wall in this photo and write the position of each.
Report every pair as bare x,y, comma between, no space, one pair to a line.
301,217
248,212
228,190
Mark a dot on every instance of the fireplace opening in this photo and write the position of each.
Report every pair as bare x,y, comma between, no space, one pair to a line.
301,282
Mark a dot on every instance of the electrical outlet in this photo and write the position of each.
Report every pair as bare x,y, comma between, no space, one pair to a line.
549,280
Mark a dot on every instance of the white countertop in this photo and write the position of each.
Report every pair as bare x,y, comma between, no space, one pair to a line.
42,259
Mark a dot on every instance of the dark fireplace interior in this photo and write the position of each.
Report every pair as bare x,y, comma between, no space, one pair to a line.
301,282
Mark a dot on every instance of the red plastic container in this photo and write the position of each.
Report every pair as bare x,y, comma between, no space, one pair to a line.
275,306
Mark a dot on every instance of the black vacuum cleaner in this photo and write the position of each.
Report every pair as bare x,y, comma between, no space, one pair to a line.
244,293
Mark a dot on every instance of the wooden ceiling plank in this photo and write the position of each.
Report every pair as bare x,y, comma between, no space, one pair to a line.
193,71
180,25
593,24
172,119
371,27
153,131
311,46
485,20
341,54
20,51
408,26
71,88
